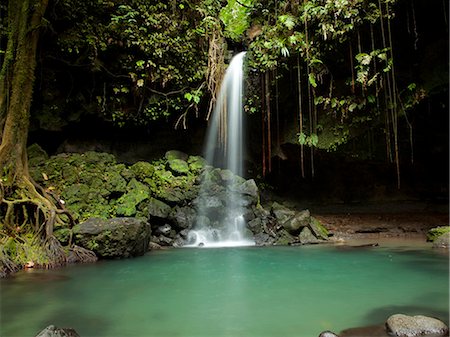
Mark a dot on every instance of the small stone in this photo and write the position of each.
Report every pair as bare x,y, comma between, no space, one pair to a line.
328,334
411,326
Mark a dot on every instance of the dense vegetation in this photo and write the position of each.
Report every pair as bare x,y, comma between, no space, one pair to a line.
320,74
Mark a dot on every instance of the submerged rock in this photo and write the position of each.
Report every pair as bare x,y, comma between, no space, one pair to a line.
53,331
114,238
411,326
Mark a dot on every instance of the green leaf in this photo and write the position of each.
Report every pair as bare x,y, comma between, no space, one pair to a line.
312,80
314,139
301,138
352,107
188,96
412,86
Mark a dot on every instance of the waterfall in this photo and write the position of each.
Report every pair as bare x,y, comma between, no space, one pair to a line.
224,147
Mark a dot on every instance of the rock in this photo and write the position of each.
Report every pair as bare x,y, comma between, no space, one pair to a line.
127,203
281,213
174,154
247,187
328,334
263,239
36,155
299,220
196,163
443,241
113,238
436,232
164,230
318,229
284,238
306,236
115,182
183,217
411,326
53,331
154,246
162,240
178,166
255,225
142,170
157,208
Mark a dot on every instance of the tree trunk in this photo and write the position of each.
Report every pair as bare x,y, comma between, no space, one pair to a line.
20,201
17,79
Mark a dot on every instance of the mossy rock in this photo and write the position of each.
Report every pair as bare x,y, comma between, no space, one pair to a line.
157,208
196,163
178,166
174,154
318,229
142,170
114,182
136,193
114,238
36,155
436,232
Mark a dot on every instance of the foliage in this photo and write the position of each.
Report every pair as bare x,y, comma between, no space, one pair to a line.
147,59
235,17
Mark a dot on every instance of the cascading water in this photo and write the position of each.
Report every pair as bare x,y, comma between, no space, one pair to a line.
224,147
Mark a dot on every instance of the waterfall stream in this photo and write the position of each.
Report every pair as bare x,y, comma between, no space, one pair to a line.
224,147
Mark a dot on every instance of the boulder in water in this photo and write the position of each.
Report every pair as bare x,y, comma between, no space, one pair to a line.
411,326
114,238
53,331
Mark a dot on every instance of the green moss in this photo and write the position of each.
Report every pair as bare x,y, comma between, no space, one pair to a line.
178,166
436,232
196,163
136,193
28,249
142,170
36,155
318,228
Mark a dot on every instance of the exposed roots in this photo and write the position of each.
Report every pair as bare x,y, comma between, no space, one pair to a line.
7,265
216,66
28,214
80,254
27,210
56,254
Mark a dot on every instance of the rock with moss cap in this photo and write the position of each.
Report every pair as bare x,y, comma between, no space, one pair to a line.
114,238
440,236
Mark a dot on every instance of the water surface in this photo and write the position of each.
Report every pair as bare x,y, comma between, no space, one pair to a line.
241,291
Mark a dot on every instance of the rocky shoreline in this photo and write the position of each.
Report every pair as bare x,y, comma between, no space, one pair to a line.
397,325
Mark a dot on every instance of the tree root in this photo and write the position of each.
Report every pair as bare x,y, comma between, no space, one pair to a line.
7,266
80,254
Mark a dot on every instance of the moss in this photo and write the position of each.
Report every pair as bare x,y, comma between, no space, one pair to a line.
28,249
318,228
114,182
196,163
36,155
63,235
136,193
178,166
436,232
142,170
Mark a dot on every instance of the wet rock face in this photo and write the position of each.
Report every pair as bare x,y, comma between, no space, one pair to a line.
411,326
114,238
